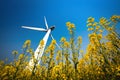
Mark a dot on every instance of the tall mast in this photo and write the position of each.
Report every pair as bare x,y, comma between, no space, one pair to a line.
40,50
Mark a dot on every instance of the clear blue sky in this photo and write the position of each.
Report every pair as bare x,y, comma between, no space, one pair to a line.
15,13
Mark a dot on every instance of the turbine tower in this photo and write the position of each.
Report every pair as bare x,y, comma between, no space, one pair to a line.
40,49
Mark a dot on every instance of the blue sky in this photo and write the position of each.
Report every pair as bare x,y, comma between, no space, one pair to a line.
15,13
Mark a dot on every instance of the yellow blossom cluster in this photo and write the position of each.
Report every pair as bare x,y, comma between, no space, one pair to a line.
92,25
70,26
115,18
63,39
66,44
103,21
42,42
90,20
27,43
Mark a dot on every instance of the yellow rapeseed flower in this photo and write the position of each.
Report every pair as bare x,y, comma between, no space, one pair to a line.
57,58
30,51
102,21
113,18
79,39
99,36
68,24
15,52
27,43
21,56
42,42
63,76
66,44
95,24
63,39
92,35
53,41
90,20
109,45
72,25
89,47
89,29
56,68
100,31
97,27
89,24
92,40
51,55
51,47
110,29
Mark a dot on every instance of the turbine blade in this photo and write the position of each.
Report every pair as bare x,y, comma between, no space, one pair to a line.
46,22
34,28
56,42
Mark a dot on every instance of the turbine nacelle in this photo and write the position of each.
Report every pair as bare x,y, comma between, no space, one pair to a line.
52,28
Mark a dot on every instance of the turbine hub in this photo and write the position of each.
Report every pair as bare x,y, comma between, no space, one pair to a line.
52,28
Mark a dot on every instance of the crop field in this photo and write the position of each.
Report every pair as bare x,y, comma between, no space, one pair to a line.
100,61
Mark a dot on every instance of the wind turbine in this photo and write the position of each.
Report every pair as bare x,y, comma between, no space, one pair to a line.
40,49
